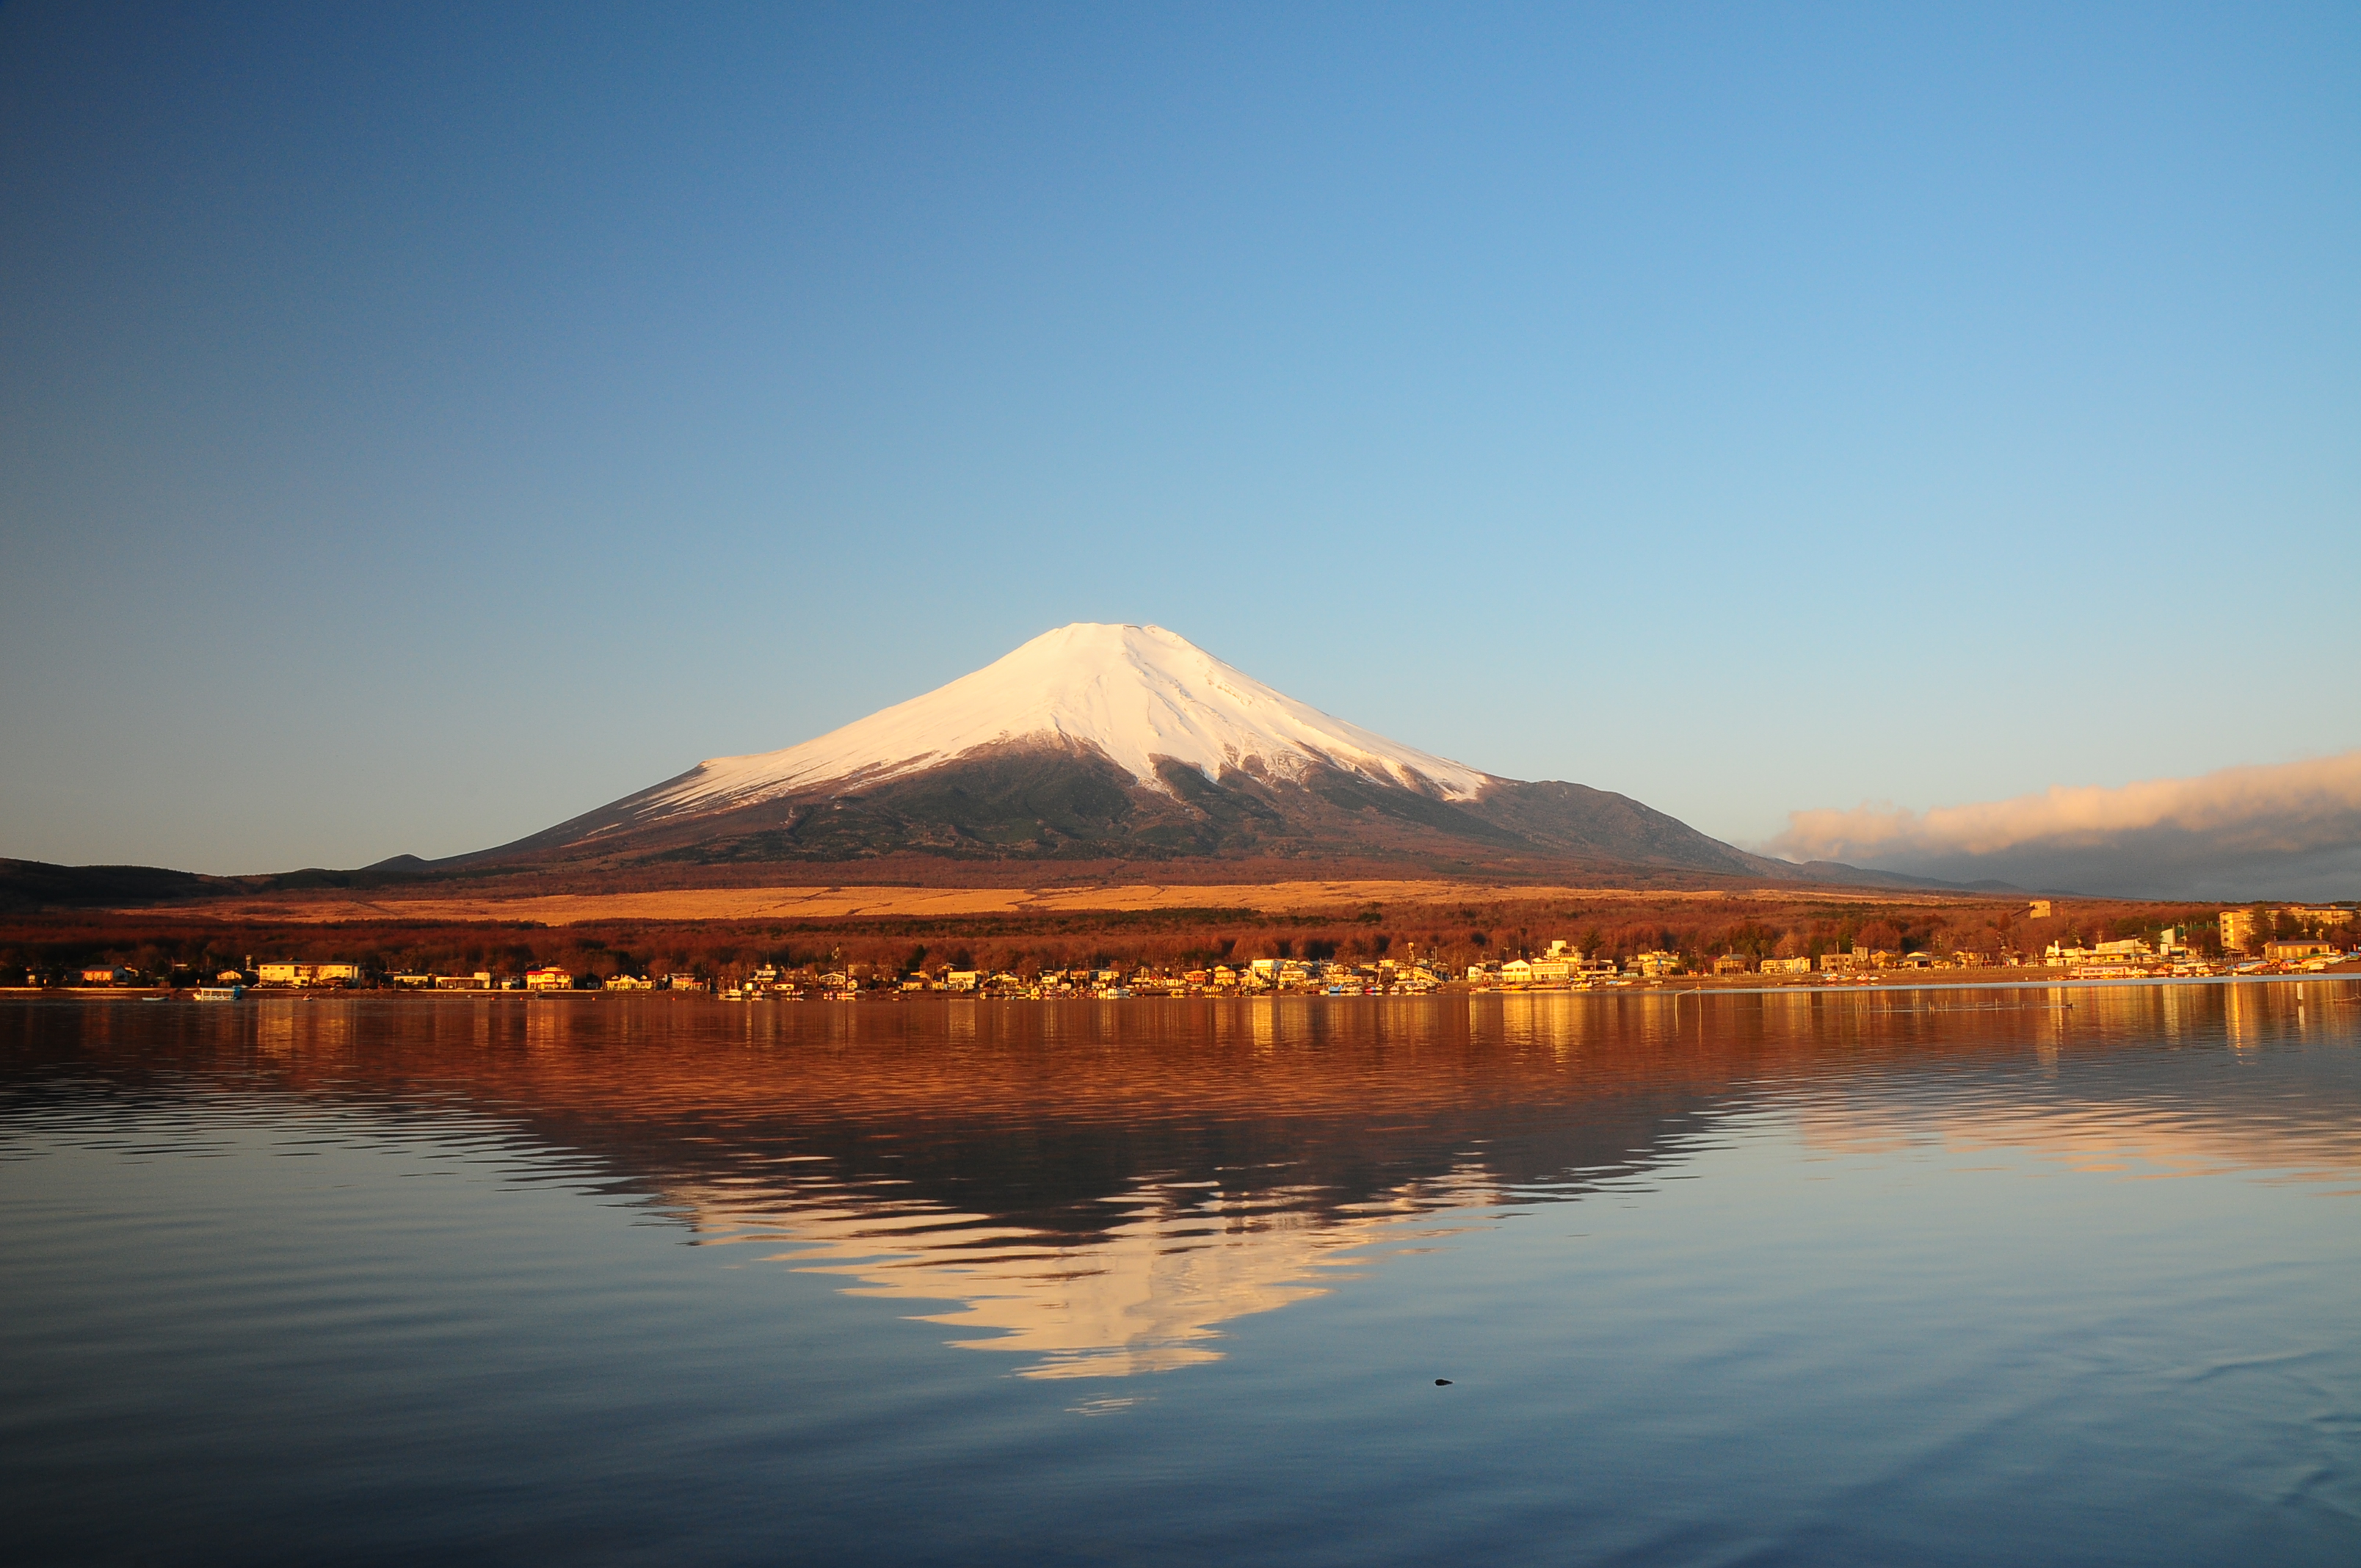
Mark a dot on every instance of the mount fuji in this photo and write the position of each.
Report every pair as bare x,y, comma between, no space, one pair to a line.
1096,742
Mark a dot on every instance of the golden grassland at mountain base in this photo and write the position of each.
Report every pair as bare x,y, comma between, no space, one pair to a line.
387,890
894,929
874,900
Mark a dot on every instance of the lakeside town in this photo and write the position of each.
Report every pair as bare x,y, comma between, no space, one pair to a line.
2291,939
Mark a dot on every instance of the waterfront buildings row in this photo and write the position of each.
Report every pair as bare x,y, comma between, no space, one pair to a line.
2250,938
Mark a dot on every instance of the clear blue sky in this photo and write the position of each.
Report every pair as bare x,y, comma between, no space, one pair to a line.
419,426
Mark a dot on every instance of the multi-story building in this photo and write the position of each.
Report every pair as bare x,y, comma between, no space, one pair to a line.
2320,918
2240,928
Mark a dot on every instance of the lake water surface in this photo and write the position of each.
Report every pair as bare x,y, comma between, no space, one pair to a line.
1946,1276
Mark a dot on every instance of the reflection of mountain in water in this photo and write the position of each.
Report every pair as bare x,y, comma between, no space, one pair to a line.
1099,1187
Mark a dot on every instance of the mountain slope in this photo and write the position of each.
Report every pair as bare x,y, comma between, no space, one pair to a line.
1095,742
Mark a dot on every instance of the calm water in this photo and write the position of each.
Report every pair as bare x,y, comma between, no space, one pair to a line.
2066,1275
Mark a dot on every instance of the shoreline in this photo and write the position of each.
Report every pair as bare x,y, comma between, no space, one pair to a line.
1455,989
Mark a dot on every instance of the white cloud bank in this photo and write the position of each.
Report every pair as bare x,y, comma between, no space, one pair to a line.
2289,830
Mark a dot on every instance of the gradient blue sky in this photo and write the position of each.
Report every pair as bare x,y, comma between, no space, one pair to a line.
419,426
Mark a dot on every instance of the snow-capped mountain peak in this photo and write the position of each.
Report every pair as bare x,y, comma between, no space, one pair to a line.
1133,693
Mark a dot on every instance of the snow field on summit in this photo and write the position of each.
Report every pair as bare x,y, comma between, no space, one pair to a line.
1133,693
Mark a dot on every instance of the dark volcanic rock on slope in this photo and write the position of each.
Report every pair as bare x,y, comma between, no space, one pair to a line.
1052,801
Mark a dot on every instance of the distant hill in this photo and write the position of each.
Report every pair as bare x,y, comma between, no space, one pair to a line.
36,884
30,886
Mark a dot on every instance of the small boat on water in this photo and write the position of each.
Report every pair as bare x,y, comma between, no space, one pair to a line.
220,993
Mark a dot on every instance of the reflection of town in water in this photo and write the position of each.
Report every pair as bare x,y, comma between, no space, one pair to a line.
1098,1188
